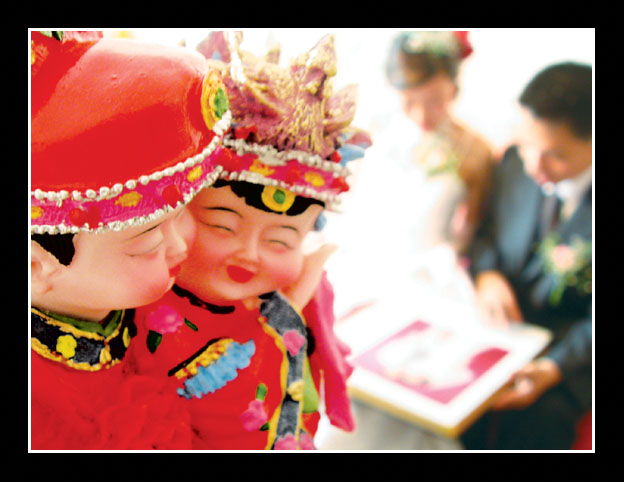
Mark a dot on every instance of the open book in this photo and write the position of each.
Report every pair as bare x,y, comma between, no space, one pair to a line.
439,373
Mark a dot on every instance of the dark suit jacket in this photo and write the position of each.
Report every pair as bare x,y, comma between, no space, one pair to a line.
507,240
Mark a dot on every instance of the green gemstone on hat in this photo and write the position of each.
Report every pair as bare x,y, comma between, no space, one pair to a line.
279,196
221,103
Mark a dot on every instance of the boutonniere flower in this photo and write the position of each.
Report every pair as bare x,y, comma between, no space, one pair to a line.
569,264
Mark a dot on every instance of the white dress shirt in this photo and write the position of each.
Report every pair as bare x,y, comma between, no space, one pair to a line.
570,191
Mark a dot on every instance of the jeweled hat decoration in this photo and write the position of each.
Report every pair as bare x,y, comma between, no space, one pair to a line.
122,132
290,132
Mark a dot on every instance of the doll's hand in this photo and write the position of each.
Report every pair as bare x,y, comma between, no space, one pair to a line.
529,384
301,292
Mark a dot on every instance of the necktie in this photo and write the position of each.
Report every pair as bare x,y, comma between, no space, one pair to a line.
550,214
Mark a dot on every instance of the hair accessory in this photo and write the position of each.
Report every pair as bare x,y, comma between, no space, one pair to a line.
441,43
122,132
290,130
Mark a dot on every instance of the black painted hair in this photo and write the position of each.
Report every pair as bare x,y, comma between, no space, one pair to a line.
60,245
252,194
562,93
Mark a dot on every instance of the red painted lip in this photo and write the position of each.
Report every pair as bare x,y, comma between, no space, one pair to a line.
173,272
238,274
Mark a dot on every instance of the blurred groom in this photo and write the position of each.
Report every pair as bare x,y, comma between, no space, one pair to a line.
531,260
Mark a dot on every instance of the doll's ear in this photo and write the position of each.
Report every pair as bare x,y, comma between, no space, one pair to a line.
43,267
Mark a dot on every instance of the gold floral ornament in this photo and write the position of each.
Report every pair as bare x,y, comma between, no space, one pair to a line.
194,174
130,199
569,264
36,212
314,178
277,199
261,168
214,100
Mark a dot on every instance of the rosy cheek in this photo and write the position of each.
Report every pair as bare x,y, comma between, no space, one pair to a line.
286,271
146,285
208,252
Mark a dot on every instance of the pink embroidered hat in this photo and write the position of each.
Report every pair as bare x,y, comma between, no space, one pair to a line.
122,132
290,131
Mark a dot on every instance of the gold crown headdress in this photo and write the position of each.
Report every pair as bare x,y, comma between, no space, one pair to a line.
290,130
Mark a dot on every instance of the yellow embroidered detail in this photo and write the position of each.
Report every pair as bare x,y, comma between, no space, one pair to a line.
33,57
43,350
126,337
314,178
194,174
35,212
211,354
269,330
66,346
130,199
261,168
105,356
277,199
295,390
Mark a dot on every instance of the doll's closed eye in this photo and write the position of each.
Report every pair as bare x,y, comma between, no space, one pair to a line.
145,243
283,237
222,219
146,246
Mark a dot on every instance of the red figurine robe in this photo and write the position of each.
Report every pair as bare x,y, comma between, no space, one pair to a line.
249,379
83,398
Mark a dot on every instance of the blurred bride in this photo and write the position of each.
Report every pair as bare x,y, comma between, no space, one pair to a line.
454,159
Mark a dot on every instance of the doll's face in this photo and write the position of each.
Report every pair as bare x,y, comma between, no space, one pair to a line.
428,104
119,269
240,251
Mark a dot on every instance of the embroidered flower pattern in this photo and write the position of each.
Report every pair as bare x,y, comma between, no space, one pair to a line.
569,264
289,442
129,199
255,417
66,346
293,341
164,319
35,212
306,442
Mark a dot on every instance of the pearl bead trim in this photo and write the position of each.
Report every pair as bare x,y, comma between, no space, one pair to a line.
269,155
132,222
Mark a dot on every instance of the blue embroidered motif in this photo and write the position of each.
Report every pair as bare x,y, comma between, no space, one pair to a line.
216,375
